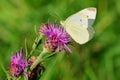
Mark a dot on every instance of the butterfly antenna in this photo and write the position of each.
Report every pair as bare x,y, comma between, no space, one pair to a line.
54,14
57,15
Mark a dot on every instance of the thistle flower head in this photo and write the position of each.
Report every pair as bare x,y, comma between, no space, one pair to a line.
17,64
57,38
38,69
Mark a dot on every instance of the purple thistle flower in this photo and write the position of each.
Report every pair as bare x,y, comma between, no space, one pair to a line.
57,37
17,65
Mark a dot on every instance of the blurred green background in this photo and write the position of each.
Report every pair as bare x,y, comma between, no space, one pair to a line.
99,59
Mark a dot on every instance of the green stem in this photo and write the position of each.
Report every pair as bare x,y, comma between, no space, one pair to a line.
39,59
51,54
35,45
3,68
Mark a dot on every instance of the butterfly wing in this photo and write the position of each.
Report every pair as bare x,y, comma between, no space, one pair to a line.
91,14
79,25
78,33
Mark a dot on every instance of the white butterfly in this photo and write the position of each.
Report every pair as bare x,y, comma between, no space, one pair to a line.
79,25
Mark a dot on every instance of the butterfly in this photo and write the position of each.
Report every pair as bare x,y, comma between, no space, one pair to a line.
79,25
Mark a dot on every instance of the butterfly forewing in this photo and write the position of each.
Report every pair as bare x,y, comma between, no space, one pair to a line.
79,34
79,25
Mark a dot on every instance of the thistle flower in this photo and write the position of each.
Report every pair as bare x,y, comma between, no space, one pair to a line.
17,64
33,75
57,38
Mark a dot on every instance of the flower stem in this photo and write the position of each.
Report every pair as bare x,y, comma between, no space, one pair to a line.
35,45
39,59
5,71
